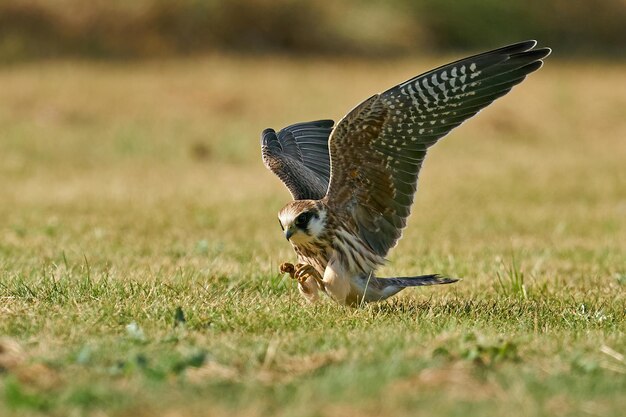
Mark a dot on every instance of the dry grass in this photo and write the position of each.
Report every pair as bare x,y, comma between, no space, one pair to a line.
128,190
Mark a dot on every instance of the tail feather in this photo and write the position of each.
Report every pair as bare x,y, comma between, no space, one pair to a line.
376,289
417,281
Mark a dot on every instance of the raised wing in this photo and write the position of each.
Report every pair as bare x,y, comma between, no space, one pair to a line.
377,150
298,155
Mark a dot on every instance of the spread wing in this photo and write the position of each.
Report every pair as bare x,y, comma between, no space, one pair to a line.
377,150
298,155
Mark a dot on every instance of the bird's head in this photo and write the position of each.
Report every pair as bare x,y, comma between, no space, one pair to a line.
302,220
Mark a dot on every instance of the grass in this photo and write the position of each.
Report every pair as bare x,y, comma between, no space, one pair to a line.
139,250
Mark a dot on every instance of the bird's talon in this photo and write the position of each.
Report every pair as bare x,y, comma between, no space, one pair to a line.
287,268
304,272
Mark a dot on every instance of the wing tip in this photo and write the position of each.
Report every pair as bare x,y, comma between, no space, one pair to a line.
537,54
546,52
268,135
526,45
519,49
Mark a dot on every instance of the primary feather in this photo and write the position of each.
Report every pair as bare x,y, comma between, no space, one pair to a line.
377,150
298,155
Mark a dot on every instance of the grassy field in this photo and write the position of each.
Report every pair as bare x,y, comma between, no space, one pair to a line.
139,249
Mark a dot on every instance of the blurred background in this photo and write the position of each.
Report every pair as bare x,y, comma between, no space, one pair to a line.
105,29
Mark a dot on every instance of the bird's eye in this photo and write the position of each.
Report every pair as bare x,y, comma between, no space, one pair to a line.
302,219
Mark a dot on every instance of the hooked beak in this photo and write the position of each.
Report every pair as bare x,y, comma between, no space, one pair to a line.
288,233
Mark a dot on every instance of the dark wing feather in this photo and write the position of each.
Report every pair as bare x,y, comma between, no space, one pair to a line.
298,155
377,150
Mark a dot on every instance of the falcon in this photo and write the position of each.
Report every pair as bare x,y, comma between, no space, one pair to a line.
353,184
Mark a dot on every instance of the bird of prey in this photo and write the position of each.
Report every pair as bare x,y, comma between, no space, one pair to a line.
353,184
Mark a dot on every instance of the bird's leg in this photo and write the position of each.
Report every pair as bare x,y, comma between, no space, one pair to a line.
306,271
302,272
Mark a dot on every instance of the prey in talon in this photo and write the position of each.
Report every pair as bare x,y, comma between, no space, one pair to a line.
353,183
